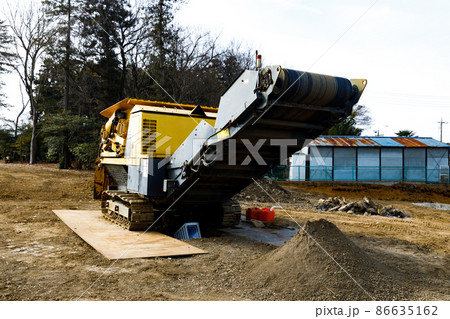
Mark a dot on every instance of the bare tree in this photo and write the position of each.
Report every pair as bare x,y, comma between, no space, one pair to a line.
31,33
194,57
138,60
199,69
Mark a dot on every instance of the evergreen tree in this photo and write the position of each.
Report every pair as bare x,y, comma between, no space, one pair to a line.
99,32
6,56
405,133
354,124
162,36
63,54
6,143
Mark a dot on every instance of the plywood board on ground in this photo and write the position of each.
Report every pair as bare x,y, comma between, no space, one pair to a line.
114,242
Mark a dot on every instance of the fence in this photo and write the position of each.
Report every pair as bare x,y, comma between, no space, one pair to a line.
361,173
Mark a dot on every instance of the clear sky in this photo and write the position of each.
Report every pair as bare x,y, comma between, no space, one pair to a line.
401,47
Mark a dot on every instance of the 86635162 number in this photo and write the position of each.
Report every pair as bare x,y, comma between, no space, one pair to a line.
406,310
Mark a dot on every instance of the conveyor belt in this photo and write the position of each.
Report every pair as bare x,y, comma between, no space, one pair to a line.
297,106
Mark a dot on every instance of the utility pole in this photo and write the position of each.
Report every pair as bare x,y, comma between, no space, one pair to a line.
441,123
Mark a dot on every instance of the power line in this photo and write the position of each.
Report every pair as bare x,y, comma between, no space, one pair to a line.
441,122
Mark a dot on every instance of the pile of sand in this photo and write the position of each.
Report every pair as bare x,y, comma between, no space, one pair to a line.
301,270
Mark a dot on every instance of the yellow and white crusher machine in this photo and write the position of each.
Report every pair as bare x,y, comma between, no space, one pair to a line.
189,161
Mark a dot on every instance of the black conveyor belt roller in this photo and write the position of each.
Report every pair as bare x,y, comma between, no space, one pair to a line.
311,88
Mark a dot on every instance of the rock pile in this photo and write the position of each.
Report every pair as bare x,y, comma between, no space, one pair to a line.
365,206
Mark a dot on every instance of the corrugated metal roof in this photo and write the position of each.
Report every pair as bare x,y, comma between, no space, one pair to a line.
386,142
376,141
431,142
344,141
409,142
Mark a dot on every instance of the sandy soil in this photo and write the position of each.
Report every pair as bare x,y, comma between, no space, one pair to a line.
42,259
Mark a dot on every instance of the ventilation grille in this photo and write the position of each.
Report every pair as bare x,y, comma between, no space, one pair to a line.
148,136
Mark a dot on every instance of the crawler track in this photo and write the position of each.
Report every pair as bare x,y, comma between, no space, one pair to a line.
231,213
133,212
127,210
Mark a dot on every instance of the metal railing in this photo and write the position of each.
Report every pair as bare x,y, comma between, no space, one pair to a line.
361,173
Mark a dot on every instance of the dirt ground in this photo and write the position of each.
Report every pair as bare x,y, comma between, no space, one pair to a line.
392,259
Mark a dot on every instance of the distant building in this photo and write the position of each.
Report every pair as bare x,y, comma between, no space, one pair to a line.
357,158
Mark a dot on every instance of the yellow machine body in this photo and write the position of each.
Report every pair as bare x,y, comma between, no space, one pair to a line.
148,129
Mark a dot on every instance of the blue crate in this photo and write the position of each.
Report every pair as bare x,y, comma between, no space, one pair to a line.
188,231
